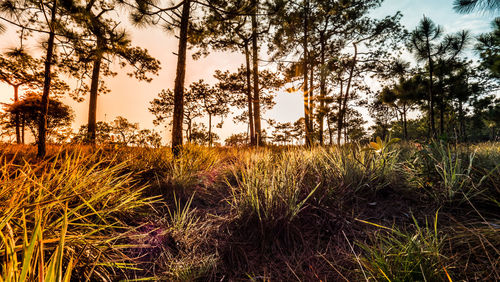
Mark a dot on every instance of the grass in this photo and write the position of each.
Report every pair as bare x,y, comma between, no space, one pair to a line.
266,214
396,255
271,188
74,206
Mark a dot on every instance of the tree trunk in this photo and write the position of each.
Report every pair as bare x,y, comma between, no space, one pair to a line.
94,87
343,109
189,131
322,90
345,133
311,100
23,124
441,106
307,116
179,81
330,131
256,98
124,138
431,93
17,115
209,130
463,135
441,117
405,125
42,123
249,95
339,114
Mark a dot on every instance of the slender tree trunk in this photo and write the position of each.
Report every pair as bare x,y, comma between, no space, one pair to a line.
189,131
330,131
179,81
256,89
345,135
209,130
405,128
17,115
249,95
441,117
311,101
307,116
441,106
42,123
431,93
339,114
124,138
322,90
94,87
247,139
463,135
23,125
343,109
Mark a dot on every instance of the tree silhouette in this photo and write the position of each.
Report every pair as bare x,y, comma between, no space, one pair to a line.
336,28
468,6
31,107
488,47
148,138
236,87
19,69
233,32
103,133
402,96
163,107
104,40
425,43
124,130
178,15
51,18
237,139
213,102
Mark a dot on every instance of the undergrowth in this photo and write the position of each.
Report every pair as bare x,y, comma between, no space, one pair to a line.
356,212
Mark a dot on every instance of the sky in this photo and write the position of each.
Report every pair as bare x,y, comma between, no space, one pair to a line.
130,98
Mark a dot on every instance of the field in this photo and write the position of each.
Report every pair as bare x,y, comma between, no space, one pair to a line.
388,211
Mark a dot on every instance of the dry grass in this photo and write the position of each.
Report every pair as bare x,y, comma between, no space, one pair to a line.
266,214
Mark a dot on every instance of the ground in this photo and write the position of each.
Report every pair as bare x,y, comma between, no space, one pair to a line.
387,212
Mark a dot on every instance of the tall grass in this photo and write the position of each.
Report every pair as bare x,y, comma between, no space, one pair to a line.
71,206
85,213
354,169
452,175
32,250
271,188
397,255
196,167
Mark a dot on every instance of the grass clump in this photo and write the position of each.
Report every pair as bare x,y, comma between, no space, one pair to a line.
73,205
271,189
397,255
197,167
451,175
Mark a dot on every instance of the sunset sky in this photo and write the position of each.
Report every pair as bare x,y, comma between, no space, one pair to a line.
130,98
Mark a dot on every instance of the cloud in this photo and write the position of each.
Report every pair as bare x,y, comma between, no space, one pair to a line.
473,23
